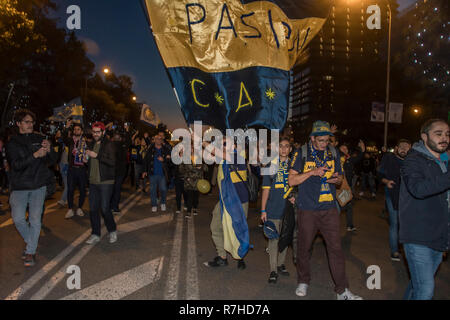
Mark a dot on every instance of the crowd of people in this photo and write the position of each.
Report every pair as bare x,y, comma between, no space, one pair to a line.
313,183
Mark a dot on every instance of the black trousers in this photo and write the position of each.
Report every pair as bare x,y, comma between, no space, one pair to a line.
99,200
117,190
192,200
179,191
76,177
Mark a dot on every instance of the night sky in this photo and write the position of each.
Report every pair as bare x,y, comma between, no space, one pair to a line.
117,35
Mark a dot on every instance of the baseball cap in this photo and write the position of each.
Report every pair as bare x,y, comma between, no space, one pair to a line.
270,230
321,128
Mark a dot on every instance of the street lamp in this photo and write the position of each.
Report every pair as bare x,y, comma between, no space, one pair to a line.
134,98
386,106
106,70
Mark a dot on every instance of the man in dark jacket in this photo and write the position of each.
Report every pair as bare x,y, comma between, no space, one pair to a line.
156,164
389,172
29,155
424,207
121,145
101,170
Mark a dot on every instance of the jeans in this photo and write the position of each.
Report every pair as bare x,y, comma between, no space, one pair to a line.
64,179
393,225
138,171
367,179
34,199
423,263
348,208
179,190
160,183
115,199
100,199
76,177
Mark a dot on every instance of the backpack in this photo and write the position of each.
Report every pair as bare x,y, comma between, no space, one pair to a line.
252,184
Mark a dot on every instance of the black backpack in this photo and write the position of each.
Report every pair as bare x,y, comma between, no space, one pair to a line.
252,184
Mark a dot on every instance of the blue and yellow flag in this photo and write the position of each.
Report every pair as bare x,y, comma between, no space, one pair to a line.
230,61
72,109
234,222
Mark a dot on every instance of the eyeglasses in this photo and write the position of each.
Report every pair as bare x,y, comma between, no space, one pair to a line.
97,131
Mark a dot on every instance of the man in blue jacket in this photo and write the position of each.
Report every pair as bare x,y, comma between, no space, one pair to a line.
424,207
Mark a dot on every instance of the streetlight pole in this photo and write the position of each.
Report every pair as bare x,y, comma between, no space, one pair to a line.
386,106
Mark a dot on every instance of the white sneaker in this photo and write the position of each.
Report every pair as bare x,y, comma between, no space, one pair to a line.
113,237
374,195
154,209
93,239
301,290
62,203
347,295
178,211
163,207
80,212
185,208
361,194
69,214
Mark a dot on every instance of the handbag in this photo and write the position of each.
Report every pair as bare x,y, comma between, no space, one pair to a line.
344,193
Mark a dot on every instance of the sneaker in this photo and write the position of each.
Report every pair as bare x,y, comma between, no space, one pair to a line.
273,277
69,214
163,207
116,212
302,289
185,208
395,256
80,212
30,260
374,195
217,262
361,194
178,211
93,239
62,203
241,264
187,216
267,250
261,225
349,229
24,255
113,237
194,212
347,295
282,269
154,209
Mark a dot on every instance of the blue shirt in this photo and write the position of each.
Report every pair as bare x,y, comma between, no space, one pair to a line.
312,194
278,186
157,165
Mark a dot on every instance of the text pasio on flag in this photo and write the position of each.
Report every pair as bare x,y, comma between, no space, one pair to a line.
230,61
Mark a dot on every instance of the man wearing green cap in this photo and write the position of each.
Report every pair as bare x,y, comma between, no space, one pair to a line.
316,169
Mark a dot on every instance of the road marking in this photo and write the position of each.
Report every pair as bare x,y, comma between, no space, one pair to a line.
192,291
123,284
144,223
31,282
171,290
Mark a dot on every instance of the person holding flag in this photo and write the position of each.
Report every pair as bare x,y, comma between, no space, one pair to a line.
229,227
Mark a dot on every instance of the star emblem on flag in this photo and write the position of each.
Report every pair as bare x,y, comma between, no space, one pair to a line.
270,94
218,98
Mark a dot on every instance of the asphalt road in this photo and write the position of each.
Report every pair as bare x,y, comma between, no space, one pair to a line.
160,256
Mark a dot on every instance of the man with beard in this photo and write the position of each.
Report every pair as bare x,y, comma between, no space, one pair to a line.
424,208
76,174
102,161
389,172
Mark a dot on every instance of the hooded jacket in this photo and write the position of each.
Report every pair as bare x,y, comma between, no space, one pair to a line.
424,209
28,172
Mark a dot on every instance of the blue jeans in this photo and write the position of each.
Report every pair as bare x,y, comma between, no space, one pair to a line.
157,182
393,225
34,199
64,179
423,263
